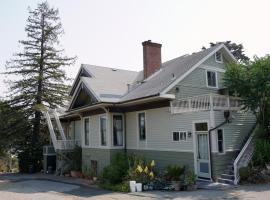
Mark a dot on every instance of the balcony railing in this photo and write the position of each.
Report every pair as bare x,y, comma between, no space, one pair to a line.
205,102
67,144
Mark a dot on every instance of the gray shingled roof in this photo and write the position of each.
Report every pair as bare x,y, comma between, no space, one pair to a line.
164,77
108,84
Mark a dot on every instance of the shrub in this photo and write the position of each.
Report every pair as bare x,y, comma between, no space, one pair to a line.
76,157
117,171
244,173
190,178
120,187
262,152
174,172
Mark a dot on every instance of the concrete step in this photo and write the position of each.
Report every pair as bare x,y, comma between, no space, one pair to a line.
227,176
226,181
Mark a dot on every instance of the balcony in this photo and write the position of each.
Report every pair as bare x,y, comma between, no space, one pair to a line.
205,102
67,144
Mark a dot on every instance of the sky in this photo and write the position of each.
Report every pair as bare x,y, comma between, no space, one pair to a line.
110,32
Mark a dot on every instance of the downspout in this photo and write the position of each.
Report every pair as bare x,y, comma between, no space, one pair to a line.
226,116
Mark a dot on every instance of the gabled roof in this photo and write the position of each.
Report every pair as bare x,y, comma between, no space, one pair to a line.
111,85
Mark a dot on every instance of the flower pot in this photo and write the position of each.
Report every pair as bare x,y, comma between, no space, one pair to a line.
75,174
94,179
192,187
138,187
176,185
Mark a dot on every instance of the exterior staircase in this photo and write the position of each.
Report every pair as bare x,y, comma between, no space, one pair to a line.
231,174
59,142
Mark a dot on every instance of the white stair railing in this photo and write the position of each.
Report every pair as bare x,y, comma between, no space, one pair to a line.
51,130
59,126
243,157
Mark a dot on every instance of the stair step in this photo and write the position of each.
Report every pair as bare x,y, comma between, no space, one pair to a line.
227,181
227,176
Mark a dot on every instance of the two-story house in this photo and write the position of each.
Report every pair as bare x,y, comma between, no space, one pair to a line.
176,112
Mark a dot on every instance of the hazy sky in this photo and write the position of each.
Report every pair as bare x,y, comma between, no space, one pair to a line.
109,33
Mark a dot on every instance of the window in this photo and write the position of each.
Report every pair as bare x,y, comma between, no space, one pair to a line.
220,141
211,79
176,136
183,136
201,127
218,57
118,130
86,131
103,130
141,120
179,136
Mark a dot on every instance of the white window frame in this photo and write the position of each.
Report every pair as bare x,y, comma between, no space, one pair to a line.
123,121
138,130
89,144
209,86
179,133
221,57
223,141
106,135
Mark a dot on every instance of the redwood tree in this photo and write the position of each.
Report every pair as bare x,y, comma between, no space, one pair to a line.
38,68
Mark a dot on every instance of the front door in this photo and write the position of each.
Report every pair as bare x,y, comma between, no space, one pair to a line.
203,164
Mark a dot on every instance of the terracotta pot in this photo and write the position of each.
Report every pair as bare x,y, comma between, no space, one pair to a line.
176,185
75,174
192,187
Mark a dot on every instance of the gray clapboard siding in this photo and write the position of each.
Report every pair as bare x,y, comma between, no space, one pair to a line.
102,156
237,131
165,158
212,62
160,124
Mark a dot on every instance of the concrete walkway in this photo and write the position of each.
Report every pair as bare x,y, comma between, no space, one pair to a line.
38,186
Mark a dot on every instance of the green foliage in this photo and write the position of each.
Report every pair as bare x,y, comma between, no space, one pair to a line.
116,172
120,187
244,173
76,157
174,172
190,178
251,82
261,155
39,79
236,49
142,171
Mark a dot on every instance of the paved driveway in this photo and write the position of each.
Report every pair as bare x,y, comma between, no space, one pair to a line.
41,189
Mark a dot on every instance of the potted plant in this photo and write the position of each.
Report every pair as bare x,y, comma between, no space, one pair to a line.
174,174
190,181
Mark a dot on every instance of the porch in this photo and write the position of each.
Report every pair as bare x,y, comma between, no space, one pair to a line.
204,103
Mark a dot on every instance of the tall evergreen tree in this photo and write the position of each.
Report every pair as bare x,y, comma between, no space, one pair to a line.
39,67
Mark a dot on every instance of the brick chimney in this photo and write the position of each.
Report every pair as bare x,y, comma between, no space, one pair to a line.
151,58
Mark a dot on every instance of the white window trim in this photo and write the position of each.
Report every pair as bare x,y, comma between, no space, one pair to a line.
223,141
221,57
209,86
138,131
177,141
83,138
99,131
123,121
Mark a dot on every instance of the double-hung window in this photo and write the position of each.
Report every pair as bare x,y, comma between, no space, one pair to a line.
103,127
220,141
211,79
117,130
179,136
86,131
141,123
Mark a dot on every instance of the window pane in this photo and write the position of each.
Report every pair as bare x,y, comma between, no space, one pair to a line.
211,79
183,136
86,131
175,136
220,141
201,127
103,131
218,56
142,126
117,130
